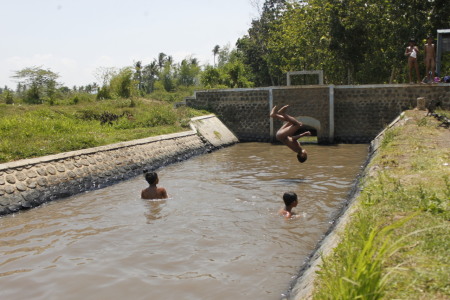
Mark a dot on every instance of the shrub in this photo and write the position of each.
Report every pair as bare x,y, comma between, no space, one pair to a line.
104,93
9,98
123,85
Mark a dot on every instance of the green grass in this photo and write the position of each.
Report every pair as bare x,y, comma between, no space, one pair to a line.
28,131
396,244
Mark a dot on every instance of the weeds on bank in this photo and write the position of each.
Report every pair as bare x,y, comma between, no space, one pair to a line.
396,245
35,130
363,257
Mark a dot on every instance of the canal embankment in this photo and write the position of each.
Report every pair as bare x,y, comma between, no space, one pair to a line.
391,241
30,182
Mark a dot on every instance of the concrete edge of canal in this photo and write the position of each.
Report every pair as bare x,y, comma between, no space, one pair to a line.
302,286
29,183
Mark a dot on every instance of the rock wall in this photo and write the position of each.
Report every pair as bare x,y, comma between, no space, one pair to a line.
28,183
339,114
302,286
360,113
244,111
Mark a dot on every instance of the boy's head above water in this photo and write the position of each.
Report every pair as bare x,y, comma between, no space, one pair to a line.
302,156
289,198
151,177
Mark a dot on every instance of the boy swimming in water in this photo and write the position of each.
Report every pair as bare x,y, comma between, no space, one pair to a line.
290,201
286,133
153,192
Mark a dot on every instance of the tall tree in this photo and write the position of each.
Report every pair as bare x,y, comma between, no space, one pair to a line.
188,72
162,57
42,83
215,52
353,41
254,45
138,74
149,76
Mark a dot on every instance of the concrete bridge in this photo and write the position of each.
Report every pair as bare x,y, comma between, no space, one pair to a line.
336,114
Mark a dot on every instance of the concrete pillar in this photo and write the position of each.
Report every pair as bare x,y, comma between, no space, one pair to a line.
331,120
421,103
270,109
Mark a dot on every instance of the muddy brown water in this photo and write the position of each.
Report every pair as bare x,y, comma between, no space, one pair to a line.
218,236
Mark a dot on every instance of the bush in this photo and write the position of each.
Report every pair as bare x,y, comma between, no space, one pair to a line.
32,96
104,93
8,96
210,77
123,85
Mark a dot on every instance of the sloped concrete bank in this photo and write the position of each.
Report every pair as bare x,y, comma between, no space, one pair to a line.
302,287
30,182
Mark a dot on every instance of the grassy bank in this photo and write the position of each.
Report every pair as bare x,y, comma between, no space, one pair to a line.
28,131
396,245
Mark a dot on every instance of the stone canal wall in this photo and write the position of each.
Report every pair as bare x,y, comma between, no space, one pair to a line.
337,114
302,287
28,183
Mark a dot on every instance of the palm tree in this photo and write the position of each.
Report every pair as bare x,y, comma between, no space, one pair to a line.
161,60
149,75
194,61
138,74
215,52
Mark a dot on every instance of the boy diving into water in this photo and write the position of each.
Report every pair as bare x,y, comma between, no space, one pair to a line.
286,133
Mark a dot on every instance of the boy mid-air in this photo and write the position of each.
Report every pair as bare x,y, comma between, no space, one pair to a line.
286,134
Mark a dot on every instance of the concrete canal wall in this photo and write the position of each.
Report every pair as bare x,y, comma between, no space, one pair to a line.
302,287
28,183
338,114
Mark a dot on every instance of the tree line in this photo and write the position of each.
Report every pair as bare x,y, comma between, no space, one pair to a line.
352,41
38,85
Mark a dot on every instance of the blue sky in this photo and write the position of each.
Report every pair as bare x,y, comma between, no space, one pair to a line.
74,38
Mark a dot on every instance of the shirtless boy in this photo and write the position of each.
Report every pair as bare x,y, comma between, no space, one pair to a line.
286,133
430,59
290,201
153,192
412,52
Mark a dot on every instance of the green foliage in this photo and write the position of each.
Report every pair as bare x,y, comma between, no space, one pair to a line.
380,257
359,274
29,131
235,75
188,72
122,84
104,93
389,136
176,96
215,52
33,95
255,46
354,42
210,77
79,98
39,84
149,76
7,96
231,71
168,77
445,66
